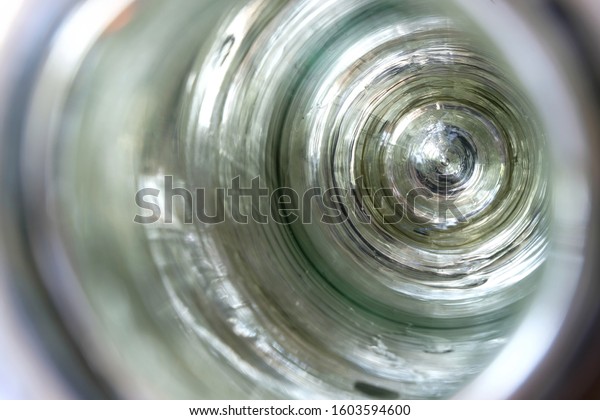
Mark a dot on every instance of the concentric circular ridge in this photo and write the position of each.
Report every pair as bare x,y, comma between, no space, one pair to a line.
408,207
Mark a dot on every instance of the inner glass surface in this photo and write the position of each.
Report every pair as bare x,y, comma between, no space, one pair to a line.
332,198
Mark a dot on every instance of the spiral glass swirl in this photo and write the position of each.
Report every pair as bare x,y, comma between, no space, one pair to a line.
404,188
403,278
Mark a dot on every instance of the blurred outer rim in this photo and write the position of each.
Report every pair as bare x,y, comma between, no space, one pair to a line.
570,370
23,53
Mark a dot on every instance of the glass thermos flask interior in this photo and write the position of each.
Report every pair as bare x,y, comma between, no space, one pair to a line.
300,199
